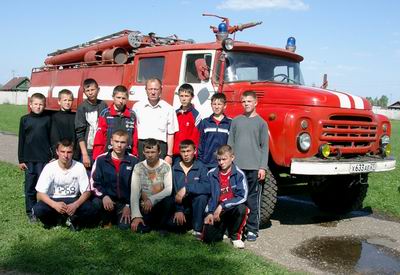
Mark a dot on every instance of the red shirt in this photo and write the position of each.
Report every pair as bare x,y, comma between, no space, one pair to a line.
188,127
226,190
117,163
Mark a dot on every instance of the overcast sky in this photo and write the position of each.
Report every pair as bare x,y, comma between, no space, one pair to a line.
357,43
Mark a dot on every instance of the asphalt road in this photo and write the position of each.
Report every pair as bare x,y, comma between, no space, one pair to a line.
297,225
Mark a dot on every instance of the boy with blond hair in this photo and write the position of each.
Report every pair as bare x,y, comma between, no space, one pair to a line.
33,148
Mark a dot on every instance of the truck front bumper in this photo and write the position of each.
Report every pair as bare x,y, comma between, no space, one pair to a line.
365,164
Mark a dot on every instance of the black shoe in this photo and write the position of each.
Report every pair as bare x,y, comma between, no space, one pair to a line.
32,218
73,227
143,228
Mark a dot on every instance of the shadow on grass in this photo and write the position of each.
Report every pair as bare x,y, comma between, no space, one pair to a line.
58,251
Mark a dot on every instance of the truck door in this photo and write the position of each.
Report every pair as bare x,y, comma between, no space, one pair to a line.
196,70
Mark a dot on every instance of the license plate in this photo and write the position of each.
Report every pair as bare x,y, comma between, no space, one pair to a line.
362,167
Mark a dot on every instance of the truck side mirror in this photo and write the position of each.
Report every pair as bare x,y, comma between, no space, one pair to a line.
202,70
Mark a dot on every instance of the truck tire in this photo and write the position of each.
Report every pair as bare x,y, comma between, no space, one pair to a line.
268,198
339,194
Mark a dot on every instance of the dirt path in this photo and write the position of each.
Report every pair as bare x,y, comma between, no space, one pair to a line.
302,239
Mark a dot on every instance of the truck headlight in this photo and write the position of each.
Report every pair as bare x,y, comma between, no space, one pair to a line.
304,142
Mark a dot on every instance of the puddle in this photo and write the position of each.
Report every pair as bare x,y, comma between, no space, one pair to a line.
351,255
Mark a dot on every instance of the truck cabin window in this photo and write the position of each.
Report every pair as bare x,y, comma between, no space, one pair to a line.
197,68
257,67
150,67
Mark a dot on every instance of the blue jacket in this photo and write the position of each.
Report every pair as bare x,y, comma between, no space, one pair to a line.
238,184
196,181
106,181
212,136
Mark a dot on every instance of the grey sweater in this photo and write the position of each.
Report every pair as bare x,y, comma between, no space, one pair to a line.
248,137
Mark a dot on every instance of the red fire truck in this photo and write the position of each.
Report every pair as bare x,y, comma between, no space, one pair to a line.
326,140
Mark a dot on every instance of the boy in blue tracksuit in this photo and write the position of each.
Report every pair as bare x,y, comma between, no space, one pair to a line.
191,189
111,182
226,207
214,131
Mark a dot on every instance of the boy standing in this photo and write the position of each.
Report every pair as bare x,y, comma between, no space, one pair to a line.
63,123
249,138
226,208
33,148
86,120
116,117
214,131
111,179
188,119
151,187
63,191
191,189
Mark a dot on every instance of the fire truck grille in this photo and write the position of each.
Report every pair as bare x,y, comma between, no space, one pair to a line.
349,134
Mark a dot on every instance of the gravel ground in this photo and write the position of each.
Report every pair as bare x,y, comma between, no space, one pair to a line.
295,221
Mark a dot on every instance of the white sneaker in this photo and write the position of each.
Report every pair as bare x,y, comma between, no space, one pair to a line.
197,235
239,244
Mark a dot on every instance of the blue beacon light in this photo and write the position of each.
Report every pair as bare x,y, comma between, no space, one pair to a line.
291,44
222,31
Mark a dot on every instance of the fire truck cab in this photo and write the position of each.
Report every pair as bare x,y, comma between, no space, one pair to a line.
327,140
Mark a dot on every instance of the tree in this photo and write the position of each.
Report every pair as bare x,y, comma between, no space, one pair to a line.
371,101
383,101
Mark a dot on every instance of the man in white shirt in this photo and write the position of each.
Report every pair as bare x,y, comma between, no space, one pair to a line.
156,119
63,191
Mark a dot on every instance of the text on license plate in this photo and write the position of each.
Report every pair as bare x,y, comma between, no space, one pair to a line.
362,167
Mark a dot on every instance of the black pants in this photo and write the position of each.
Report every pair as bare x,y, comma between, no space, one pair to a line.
157,218
163,147
31,177
84,215
114,216
253,201
232,220
194,207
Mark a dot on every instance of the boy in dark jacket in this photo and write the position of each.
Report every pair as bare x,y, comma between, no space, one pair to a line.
33,148
111,180
214,131
226,207
63,123
191,189
86,120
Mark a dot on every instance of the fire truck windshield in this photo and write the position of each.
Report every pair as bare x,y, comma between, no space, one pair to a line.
259,67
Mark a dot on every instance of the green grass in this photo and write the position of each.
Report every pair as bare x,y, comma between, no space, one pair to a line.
384,188
10,115
30,248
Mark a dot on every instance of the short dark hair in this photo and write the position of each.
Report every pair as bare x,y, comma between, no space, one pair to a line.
65,142
90,81
186,143
120,89
250,93
153,79
38,96
186,88
150,143
219,96
65,92
120,133
224,149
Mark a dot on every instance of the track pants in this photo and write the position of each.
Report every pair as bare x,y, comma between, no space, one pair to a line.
232,220
84,215
114,216
31,177
253,201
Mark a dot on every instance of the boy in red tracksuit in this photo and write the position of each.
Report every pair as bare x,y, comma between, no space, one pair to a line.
188,118
226,207
116,117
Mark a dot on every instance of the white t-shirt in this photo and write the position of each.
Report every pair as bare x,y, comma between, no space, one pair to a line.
59,183
155,121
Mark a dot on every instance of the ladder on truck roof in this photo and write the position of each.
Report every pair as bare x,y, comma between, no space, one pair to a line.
141,41
93,42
